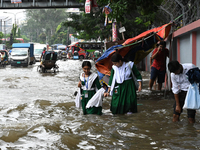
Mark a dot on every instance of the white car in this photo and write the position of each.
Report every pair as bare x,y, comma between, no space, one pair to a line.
38,48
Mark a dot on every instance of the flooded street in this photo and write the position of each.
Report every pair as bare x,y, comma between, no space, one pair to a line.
37,111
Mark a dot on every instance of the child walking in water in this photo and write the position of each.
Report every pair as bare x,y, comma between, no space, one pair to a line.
89,84
122,87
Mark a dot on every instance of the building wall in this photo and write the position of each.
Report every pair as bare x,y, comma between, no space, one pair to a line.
188,48
185,46
185,49
187,43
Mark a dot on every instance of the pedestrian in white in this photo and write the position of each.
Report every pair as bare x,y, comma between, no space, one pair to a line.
180,85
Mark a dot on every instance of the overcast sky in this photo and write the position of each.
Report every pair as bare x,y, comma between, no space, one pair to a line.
11,13
20,14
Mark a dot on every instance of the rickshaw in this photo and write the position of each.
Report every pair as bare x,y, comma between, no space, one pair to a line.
96,55
48,62
4,58
63,55
62,52
75,55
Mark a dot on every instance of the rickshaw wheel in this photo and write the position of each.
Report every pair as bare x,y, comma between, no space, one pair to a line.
38,68
81,57
43,70
55,69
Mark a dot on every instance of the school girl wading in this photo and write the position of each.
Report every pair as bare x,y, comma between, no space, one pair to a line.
122,87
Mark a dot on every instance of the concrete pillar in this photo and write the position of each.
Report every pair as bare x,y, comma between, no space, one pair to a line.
194,48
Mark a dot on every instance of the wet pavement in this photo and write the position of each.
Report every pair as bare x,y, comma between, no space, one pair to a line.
37,111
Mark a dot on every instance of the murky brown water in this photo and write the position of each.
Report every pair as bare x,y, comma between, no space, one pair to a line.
37,111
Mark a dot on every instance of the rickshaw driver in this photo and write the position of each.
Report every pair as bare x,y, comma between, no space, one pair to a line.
44,50
2,55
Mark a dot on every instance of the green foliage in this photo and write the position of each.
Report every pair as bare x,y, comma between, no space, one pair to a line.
15,34
58,28
41,25
26,40
1,35
42,36
62,35
138,20
14,30
9,46
136,16
51,25
88,26
19,33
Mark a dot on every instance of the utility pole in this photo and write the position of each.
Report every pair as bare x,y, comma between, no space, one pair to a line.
1,25
122,32
67,36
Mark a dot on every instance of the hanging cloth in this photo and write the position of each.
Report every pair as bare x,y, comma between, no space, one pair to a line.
16,1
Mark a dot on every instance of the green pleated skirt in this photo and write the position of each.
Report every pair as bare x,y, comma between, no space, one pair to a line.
84,101
124,98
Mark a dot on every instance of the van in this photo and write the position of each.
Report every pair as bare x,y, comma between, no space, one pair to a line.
38,48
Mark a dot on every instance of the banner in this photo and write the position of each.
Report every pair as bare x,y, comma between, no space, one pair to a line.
16,1
87,6
114,31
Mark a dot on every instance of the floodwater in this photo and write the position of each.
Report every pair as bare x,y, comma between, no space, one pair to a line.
37,112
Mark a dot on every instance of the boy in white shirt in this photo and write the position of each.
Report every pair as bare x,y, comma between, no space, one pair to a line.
180,85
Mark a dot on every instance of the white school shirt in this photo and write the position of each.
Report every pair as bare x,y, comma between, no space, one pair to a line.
180,81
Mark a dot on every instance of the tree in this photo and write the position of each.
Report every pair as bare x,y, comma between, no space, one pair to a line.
14,31
42,22
62,34
1,36
19,32
26,40
88,26
137,16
